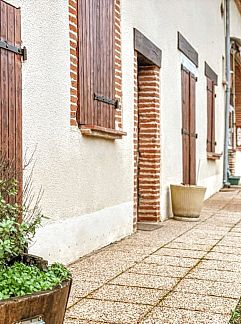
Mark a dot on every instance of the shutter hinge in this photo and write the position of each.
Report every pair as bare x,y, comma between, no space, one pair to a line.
185,132
107,101
14,49
24,53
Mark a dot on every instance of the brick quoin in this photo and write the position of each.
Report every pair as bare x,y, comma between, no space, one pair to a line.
135,142
147,151
73,42
73,36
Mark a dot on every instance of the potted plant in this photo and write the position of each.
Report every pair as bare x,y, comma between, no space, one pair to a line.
187,201
31,291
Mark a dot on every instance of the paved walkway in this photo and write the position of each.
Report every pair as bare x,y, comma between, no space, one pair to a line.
180,273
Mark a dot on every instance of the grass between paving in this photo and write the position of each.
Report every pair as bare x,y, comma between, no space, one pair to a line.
236,314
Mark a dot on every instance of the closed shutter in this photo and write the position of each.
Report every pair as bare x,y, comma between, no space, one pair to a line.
189,127
11,89
96,63
185,127
210,116
193,136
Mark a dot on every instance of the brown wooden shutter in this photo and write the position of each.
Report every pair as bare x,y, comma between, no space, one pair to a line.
185,126
96,63
189,127
192,121
11,89
210,116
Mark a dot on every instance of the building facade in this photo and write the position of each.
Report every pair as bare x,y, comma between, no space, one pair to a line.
120,99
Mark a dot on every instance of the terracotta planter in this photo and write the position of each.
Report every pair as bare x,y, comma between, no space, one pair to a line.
46,307
187,201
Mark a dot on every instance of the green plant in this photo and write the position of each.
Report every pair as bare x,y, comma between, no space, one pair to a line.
235,315
14,235
20,216
20,279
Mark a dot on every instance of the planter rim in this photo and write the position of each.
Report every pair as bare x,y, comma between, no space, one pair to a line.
187,186
39,293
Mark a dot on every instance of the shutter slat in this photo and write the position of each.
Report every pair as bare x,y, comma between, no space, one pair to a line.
112,61
107,65
185,125
11,81
81,65
4,80
90,11
98,59
192,116
18,124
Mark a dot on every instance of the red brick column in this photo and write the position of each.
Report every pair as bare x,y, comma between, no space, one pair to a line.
73,35
135,138
118,67
147,145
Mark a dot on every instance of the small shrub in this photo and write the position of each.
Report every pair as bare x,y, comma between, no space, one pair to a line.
14,235
18,224
20,279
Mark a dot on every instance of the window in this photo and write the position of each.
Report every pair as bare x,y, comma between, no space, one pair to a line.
97,101
210,116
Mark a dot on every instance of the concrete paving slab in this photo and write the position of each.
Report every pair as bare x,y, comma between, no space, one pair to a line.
207,304
206,287
81,289
171,260
181,253
112,312
164,315
223,257
74,321
159,270
215,275
220,265
127,294
145,281
227,249
188,246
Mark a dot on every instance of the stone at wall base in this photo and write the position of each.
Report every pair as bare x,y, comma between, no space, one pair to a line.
148,226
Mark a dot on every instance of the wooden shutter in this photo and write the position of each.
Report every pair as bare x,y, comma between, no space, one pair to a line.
96,63
185,127
192,131
11,89
189,127
210,116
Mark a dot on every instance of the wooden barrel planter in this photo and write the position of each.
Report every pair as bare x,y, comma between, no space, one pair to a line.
46,307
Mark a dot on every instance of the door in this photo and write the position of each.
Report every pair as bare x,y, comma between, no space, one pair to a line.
189,135
11,89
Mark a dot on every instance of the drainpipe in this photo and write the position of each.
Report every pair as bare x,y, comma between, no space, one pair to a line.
227,97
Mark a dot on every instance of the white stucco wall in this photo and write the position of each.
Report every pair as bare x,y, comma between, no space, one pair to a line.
88,182
235,24
201,24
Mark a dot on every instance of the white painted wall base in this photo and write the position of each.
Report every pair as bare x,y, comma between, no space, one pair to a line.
67,240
